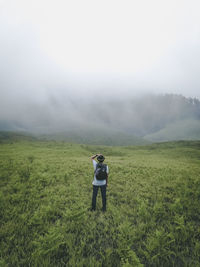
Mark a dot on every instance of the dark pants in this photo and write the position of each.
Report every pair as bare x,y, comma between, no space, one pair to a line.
103,195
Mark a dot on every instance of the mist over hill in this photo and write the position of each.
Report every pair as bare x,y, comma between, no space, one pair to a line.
99,118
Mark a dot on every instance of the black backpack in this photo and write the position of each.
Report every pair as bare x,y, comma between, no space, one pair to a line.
101,171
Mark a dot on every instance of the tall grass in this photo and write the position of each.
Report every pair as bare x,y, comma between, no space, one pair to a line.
153,205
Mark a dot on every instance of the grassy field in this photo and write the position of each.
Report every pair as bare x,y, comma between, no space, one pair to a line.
152,218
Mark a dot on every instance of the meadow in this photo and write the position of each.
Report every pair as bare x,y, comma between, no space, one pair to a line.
152,217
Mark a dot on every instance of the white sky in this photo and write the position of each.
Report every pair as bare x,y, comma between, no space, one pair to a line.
127,45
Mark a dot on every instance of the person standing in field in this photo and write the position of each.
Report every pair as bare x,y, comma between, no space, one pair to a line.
100,180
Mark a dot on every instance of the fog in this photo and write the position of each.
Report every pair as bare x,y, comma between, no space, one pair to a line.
58,59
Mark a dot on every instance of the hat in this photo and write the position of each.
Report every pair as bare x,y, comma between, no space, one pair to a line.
100,158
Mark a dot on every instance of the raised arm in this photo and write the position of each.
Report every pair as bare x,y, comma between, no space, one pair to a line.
93,157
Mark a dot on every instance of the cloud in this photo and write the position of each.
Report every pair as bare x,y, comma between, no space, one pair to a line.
67,49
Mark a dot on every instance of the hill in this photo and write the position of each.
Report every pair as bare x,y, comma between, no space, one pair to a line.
91,136
153,205
108,137
125,121
179,130
6,136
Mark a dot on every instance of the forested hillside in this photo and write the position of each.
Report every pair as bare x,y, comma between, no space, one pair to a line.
111,120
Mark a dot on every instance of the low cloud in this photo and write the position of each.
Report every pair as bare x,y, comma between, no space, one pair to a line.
58,62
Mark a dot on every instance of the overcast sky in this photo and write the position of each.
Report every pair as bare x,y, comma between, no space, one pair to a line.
81,47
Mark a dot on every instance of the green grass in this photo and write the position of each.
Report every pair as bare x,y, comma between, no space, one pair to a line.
153,205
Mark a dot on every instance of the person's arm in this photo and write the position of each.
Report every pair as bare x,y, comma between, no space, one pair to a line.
93,157
107,176
107,181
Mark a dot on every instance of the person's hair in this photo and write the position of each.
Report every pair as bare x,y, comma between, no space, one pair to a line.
100,158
